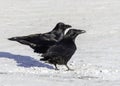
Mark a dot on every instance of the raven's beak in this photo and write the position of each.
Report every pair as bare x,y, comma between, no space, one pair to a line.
68,26
81,31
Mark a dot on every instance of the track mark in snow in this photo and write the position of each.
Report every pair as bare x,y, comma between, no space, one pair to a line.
3,73
87,77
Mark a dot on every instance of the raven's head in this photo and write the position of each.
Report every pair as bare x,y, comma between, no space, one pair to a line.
62,26
73,33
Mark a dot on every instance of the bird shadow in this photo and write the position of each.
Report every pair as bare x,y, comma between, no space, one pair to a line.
24,61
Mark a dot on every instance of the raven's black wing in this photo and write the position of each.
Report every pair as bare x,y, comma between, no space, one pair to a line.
36,38
60,50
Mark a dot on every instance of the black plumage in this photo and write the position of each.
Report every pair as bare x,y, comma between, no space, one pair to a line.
61,52
41,42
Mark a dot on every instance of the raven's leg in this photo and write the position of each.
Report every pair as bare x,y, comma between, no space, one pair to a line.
56,67
68,68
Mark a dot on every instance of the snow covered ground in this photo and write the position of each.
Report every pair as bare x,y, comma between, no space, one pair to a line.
97,59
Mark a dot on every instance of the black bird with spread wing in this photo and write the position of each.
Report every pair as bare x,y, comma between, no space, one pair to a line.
41,42
61,52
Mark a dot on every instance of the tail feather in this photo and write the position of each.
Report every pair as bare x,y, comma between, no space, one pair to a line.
14,38
44,55
44,59
18,39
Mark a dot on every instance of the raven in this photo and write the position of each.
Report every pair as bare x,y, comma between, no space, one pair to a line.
61,52
41,42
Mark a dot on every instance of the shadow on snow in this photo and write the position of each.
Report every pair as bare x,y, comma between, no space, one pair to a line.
24,61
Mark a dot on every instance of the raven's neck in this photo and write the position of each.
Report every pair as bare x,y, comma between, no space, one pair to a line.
68,41
59,33
70,38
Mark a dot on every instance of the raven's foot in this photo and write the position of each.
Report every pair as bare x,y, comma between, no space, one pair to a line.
69,69
56,67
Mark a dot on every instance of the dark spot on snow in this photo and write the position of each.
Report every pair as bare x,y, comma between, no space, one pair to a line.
3,73
87,77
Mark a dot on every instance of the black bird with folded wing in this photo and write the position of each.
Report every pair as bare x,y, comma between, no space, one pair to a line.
41,42
61,52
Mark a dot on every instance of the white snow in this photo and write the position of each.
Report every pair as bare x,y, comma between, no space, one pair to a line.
97,59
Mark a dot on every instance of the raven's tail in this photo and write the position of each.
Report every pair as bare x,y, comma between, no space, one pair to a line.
22,41
19,38
14,38
44,59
